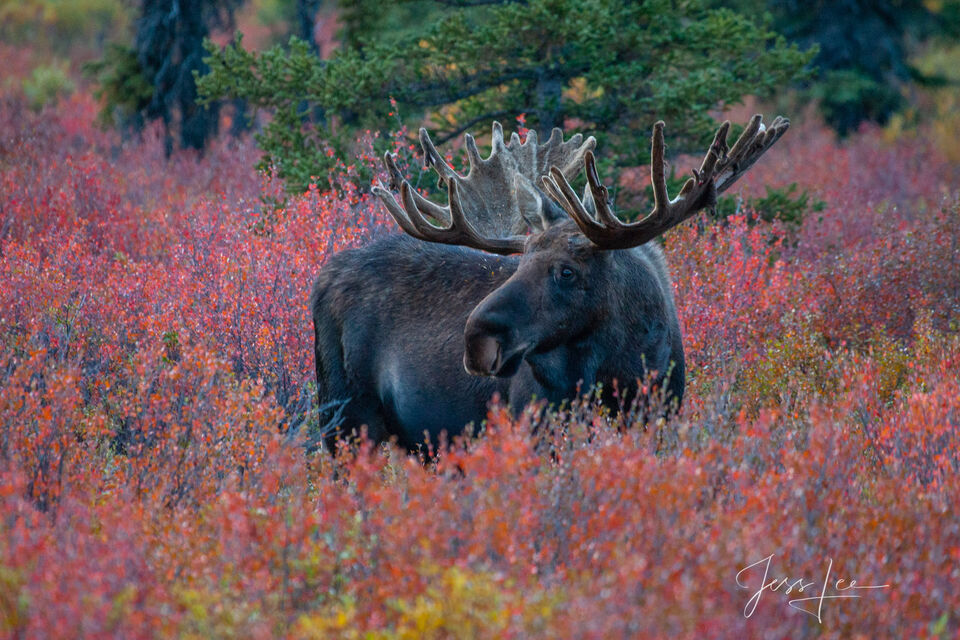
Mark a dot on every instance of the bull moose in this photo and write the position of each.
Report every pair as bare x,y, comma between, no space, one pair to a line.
415,333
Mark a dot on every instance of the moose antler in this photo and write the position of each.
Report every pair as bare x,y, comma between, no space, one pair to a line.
496,202
721,167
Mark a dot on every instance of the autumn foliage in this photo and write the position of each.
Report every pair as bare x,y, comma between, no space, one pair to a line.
156,396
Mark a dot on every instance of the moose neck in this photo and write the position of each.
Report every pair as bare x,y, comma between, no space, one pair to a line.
645,338
634,334
563,369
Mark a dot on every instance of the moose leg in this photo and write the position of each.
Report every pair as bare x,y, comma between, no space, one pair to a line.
341,417
359,415
342,413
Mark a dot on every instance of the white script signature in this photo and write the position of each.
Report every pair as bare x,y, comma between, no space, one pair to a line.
812,605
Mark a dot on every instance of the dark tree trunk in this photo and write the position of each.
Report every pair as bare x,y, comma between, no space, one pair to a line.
306,21
169,47
549,94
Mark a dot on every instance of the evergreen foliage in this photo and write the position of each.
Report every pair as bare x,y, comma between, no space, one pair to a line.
863,62
604,67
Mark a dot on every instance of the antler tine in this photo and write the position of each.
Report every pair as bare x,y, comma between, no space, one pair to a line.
397,179
559,189
718,150
460,232
748,150
396,176
658,170
432,158
608,232
473,153
396,210
496,138
716,154
746,137
552,190
601,199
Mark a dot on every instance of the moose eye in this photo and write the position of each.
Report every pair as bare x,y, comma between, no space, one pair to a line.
566,273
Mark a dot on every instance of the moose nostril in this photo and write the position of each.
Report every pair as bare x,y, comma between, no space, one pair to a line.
482,355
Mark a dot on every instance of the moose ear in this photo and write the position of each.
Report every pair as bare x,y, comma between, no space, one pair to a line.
588,202
579,243
552,213
531,203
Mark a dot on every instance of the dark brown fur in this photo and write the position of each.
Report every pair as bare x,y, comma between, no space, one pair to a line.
396,323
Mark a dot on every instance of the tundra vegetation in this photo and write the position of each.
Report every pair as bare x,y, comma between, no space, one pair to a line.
156,393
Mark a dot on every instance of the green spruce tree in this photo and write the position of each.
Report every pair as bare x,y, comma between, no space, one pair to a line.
606,67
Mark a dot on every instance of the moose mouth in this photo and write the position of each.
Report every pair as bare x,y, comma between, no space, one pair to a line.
484,356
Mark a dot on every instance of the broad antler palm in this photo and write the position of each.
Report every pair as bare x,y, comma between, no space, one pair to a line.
493,206
721,167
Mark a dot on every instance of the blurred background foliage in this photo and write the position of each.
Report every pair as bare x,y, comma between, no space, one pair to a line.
311,76
864,60
66,27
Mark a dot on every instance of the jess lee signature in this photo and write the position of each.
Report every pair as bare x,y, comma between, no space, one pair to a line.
830,589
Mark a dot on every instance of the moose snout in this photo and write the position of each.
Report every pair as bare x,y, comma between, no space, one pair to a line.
492,346
483,346
493,340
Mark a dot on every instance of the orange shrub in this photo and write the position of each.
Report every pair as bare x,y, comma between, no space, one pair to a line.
156,390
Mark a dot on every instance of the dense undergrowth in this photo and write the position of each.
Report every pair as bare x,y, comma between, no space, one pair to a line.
155,394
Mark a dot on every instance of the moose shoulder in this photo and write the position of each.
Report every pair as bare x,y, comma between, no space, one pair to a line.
415,334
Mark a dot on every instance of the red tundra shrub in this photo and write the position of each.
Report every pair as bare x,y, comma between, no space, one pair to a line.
156,392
